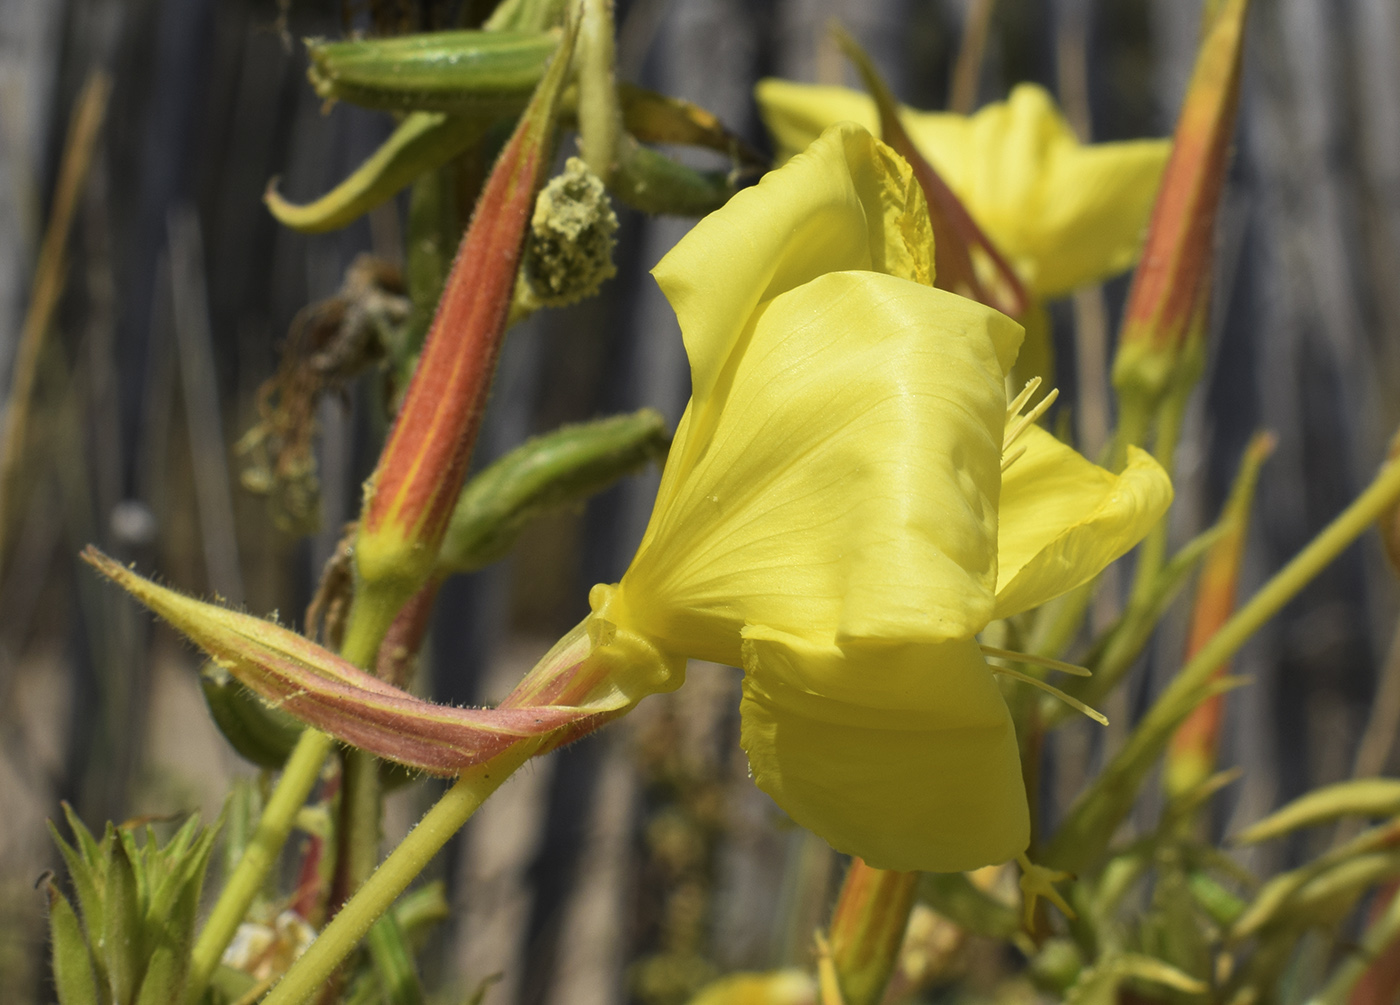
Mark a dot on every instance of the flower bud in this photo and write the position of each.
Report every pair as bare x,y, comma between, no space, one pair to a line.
1172,277
410,497
1192,752
867,929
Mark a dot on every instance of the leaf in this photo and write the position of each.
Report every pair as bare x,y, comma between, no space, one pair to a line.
423,142
1087,829
122,943
1099,984
331,694
1279,893
261,734
1369,797
393,962
660,118
72,965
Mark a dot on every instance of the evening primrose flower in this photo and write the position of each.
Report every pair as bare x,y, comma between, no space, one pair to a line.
833,515
1063,213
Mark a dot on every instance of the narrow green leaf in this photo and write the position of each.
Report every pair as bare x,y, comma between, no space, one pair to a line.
160,985
1087,829
1099,984
423,142
393,962
1223,906
420,909
121,945
72,964
88,883
1367,797
322,689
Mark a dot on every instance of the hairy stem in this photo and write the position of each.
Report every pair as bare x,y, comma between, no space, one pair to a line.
392,877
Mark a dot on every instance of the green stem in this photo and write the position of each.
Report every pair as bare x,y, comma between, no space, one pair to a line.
1154,549
361,810
1288,581
1091,821
361,802
299,774
599,118
1381,934
392,877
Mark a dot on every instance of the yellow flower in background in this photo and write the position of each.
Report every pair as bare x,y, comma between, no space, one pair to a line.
828,518
1065,214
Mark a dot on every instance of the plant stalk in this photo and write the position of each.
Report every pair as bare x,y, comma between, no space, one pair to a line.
437,827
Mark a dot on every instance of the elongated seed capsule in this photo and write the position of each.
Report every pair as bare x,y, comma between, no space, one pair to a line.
451,71
423,142
551,472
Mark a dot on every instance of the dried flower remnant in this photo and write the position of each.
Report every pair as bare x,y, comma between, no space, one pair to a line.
330,343
568,251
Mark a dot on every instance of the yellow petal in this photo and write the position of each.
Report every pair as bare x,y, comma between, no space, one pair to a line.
1064,518
1066,214
840,480
902,754
849,202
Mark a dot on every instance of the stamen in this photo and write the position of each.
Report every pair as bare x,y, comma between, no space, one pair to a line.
1034,660
1069,700
1009,459
1030,417
1019,402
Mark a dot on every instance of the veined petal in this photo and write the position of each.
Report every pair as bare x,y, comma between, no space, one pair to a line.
1065,213
841,479
922,774
1064,518
847,203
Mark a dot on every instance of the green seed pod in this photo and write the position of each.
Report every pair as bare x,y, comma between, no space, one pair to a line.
477,72
550,472
648,180
261,734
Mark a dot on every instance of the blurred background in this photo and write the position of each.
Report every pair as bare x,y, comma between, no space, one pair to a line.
641,861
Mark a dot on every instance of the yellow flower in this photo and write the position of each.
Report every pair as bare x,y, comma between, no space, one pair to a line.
828,515
1063,213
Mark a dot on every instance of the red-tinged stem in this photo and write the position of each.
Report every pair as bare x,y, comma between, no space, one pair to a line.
867,929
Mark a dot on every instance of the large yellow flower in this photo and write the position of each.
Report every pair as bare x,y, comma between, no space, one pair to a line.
833,516
1063,213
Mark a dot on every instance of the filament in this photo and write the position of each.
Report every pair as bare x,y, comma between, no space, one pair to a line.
1069,700
1039,661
